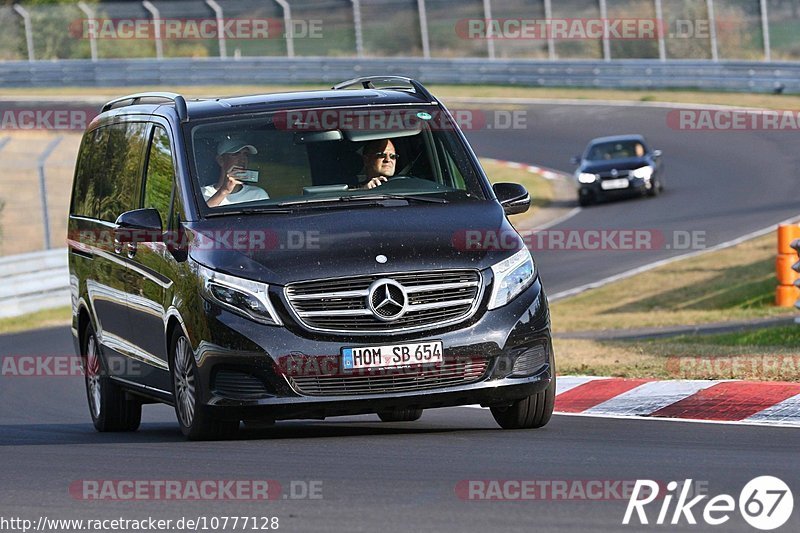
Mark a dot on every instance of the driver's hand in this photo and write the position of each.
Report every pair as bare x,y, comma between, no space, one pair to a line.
375,182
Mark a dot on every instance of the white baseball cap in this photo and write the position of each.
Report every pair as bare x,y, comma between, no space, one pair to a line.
231,146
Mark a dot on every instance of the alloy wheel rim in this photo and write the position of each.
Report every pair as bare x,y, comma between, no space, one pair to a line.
93,377
184,382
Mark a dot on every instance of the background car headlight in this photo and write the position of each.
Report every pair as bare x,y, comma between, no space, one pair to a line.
644,173
511,277
242,296
585,177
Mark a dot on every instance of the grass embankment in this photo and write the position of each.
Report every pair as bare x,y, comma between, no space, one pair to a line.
59,316
737,283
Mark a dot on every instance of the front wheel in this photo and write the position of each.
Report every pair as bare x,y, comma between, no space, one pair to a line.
196,422
534,411
111,408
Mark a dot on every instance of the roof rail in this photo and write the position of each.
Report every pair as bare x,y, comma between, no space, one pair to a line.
133,99
368,82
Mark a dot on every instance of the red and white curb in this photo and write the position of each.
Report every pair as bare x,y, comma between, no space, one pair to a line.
546,173
772,403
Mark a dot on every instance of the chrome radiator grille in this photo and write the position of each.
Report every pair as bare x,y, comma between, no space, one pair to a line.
393,380
342,305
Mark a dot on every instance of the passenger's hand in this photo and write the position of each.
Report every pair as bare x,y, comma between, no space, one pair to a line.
375,182
231,183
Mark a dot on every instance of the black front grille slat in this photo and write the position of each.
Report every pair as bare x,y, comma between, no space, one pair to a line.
446,375
302,300
239,385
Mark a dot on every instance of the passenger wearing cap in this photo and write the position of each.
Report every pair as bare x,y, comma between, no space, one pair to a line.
232,157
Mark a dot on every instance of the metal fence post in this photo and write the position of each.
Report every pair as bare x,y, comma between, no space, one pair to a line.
606,44
287,26
215,7
26,20
157,24
43,188
92,37
765,31
423,29
487,14
662,30
712,26
551,43
357,28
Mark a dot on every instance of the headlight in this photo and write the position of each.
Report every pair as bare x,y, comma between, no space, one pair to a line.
644,173
585,177
511,277
242,296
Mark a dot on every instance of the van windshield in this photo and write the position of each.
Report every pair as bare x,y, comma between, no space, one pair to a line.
323,156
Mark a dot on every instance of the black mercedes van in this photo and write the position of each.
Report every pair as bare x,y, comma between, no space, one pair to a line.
300,255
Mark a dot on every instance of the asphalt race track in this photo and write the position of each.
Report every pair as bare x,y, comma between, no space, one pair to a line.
403,477
722,184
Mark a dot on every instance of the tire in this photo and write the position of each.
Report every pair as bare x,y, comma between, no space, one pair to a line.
404,414
585,200
528,413
196,422
110,407
655,189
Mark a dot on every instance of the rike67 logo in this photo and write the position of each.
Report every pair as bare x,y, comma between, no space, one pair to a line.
765,503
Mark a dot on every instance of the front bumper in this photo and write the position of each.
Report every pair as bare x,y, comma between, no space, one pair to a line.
495,338
636,187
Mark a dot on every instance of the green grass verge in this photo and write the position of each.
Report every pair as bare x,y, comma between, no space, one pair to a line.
737,283
59,316
733,284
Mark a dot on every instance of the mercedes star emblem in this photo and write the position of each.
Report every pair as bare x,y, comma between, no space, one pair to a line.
387,300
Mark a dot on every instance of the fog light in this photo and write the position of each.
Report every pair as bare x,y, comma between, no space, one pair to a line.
530,362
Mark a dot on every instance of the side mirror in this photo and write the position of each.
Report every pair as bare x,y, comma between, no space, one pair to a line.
656,153
513,197
139,225
575,159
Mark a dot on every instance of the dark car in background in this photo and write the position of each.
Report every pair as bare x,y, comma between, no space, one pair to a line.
310,295
622,165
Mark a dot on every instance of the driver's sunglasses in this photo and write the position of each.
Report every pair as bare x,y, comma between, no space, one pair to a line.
384,155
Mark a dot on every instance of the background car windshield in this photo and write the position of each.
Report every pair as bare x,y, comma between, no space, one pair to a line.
615,150
296,156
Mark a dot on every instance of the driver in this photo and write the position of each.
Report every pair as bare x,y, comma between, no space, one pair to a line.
380,160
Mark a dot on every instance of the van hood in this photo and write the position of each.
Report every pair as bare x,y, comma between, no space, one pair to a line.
317,243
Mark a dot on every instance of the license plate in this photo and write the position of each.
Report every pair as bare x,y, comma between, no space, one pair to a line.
394,355
621,183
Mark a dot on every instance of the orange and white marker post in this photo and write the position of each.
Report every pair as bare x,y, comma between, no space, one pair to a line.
787,293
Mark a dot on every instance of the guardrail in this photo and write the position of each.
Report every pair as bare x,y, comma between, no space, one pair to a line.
32,282
633,74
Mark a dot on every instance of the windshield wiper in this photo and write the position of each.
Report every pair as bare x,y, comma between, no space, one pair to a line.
413,197
251,211
372,198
